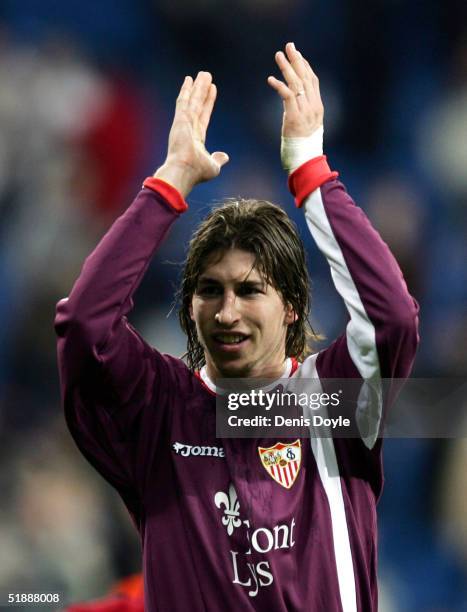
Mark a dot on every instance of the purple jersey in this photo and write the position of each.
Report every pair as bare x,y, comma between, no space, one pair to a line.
220,529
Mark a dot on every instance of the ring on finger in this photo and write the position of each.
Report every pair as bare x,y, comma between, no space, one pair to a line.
300,93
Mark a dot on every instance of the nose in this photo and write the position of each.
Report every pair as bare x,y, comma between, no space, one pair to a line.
227,314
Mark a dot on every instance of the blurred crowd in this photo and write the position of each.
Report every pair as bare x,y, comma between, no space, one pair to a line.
86,97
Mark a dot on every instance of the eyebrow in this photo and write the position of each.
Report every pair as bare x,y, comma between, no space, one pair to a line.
206,280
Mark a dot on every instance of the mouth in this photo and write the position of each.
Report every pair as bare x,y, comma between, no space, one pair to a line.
230,341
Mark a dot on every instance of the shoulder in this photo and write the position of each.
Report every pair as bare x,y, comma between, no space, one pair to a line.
333,361
184,381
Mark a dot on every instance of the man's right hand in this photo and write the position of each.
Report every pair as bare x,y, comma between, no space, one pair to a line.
188,162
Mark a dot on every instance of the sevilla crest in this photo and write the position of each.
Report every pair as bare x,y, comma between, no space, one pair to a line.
282,462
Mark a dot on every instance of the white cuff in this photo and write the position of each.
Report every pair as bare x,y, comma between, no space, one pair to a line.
297,151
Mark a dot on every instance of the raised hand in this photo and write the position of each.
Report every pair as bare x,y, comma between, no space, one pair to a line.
303,108
188,162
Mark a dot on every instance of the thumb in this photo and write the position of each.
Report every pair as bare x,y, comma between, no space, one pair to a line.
220,158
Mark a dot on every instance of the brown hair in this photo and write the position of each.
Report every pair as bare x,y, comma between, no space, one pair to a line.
266,231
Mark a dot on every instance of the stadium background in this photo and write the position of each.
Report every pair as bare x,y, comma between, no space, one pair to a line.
86,99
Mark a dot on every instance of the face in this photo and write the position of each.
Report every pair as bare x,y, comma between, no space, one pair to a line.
241,321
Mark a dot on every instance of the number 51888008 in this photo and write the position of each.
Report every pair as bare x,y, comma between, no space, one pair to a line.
34,598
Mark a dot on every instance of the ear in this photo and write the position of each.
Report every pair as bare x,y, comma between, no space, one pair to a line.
290,315
190,310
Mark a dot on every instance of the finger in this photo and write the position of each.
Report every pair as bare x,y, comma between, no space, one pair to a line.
312,77
199,92
282,89
302,68
309,68
184,93
220,158
296,60
207,110
291,77
287,95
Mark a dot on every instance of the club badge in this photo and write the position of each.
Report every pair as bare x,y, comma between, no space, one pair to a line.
282,462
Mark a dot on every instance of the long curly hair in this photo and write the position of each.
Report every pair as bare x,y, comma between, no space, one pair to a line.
266,231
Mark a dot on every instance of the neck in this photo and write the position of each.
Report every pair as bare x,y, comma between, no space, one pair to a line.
271,371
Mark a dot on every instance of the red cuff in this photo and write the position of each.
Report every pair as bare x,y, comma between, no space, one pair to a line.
168,192
308,177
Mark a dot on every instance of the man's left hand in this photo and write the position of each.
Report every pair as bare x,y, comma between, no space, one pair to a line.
303,108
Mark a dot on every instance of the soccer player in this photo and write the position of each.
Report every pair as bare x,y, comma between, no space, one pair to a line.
224,526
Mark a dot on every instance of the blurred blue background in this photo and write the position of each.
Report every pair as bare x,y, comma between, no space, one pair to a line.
86,98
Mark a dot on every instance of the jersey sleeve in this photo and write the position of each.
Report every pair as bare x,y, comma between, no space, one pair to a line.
381,336
115,387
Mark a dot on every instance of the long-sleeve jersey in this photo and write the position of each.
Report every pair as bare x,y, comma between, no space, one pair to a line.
218,530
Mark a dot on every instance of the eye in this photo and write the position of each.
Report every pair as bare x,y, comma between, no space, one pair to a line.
245,290
209,290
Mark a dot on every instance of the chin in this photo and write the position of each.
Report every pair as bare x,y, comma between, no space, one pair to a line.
233,370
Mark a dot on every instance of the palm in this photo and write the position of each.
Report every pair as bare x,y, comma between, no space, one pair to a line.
187,140
188,133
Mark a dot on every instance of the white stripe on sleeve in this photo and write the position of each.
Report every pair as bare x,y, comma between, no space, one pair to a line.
360,332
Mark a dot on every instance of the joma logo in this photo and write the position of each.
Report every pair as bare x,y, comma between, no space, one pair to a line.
185,450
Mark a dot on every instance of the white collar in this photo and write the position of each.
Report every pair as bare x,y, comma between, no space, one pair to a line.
212,387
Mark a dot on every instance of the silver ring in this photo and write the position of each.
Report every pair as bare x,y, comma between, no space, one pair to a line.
300,93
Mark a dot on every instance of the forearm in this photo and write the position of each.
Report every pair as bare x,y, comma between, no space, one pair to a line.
110,275
382,332
355,249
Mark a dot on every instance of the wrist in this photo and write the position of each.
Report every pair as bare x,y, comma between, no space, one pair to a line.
178,175
172,196
295,151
